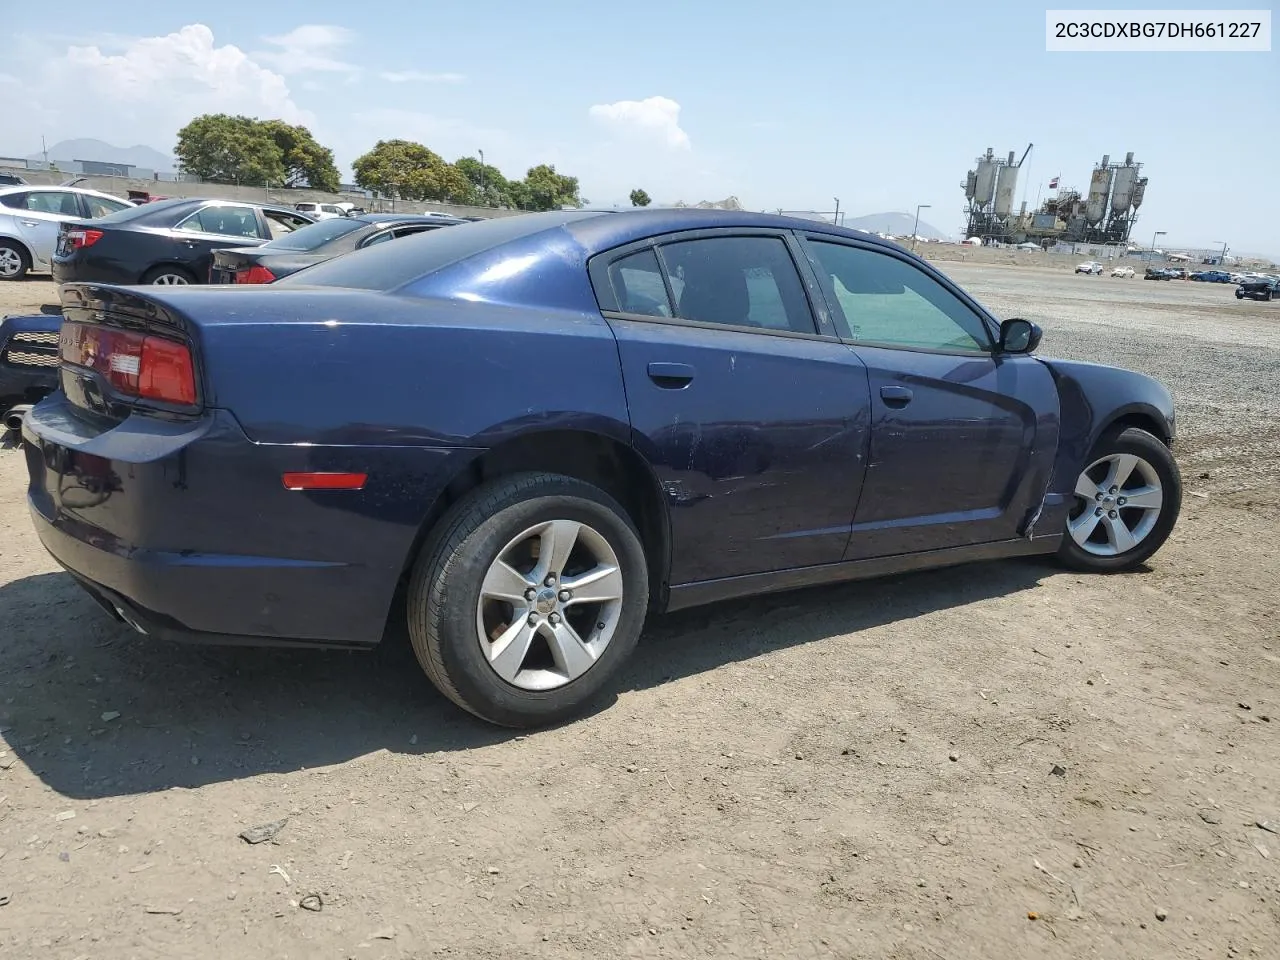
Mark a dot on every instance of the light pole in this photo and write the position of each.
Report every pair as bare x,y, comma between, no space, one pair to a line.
482,197
1222,261
915,229
836,218
1158,233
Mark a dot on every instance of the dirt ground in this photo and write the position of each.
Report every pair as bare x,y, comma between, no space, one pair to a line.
992,761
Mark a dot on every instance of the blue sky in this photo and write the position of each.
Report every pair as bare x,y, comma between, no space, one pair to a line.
780,104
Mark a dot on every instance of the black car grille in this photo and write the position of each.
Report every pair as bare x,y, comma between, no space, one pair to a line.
31,349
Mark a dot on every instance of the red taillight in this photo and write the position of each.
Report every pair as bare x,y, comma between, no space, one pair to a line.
255,275
135,364
79,239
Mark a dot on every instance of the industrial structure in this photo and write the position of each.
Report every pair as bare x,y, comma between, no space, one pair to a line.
989,190
1105,214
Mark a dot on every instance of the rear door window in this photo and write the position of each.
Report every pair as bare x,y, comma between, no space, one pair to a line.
738,281
224,221
54,201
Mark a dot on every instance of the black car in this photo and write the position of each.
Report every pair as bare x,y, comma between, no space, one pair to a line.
1259,288
1158,273
167,241
315,244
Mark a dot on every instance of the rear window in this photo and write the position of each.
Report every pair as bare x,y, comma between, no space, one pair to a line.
145,210
388,266
315,235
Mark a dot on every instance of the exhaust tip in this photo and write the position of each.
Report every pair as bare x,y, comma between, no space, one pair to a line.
14,417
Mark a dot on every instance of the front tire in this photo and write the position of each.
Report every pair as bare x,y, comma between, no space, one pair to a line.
528,598
1127,500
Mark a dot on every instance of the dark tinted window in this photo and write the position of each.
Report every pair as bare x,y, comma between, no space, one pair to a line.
388,266
16,200
741,281
223,221
314,235
889,301
54,201
637,283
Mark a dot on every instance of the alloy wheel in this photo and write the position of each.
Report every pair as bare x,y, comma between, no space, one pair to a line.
170,280
1118,502
549,605
10,262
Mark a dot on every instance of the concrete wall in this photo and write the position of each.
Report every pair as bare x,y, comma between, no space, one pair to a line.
120,186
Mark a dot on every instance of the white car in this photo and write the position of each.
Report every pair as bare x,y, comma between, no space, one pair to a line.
1092,267
321,211
1126,272
29,221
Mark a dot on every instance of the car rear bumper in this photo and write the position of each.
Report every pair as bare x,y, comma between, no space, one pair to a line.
186,530
79,266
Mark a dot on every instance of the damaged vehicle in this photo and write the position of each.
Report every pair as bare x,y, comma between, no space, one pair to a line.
526,435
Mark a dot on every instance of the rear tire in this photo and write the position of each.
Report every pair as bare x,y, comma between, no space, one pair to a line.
168,276
14,260
1126,502
503,615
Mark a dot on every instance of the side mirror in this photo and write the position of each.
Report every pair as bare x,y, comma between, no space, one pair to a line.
1019,336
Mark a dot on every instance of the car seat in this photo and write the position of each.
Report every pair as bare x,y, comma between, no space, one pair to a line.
715,293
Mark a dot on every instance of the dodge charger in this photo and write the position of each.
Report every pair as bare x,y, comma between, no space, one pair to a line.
527,434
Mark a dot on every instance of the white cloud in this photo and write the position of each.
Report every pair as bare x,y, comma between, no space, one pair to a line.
144,91
656,118
420,76
309,48
8,78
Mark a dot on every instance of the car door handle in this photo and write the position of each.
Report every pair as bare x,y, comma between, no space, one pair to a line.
671,376
31,223
896,396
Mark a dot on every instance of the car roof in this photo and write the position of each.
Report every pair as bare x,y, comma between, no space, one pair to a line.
405,218
603,229
54,188
558,242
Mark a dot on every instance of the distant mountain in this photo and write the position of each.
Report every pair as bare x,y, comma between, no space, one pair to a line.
85,149
894,224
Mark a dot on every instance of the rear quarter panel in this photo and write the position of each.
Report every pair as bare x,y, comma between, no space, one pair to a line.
336,367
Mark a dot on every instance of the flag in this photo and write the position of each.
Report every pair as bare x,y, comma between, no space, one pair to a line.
1053,184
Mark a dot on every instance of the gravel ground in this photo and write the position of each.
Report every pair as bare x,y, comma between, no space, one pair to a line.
1003,760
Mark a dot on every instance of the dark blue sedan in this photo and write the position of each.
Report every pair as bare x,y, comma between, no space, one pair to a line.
545,427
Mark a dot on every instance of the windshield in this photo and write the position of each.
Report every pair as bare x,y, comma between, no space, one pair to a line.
314,235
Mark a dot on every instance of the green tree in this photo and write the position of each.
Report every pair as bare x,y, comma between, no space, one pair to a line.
489,187
218,146
306,162
544,189
410,171
640,199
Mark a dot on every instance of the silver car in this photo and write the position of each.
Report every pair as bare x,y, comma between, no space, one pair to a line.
29,221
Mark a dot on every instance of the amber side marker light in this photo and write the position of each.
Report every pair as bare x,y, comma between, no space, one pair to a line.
324,481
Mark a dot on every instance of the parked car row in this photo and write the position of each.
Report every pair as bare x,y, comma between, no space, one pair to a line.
166,242
79,234
30,217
